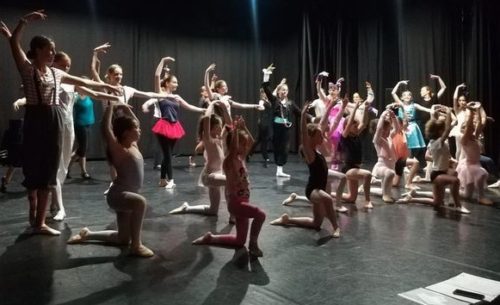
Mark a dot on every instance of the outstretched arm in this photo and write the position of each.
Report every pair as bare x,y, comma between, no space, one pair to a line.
275,91
455,97
188,106
347,126
78,81
378,131
97,95
319,87
442,85
370,96
363,123
304,136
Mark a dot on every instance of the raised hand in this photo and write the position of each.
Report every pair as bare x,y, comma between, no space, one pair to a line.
433,76
36,15
269,69
5,30
103,48
404,82
211,68
283,81
323,74
214,78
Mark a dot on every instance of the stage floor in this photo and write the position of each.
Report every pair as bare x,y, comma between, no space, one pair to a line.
383,252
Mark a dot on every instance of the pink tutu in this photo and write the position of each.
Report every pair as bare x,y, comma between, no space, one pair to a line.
168,129
469,173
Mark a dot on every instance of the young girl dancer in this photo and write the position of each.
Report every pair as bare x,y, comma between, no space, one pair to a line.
408,108
316,189
43,117
441,176
470,173
212,175
168,129
350,148
264,125
238,194
326,150
403,156
121,136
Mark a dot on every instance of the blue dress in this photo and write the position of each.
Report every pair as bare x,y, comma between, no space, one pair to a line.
414,136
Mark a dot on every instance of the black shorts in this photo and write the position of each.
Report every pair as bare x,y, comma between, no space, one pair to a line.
400,166
434,174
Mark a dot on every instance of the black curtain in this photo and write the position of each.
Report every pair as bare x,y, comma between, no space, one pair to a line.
379,41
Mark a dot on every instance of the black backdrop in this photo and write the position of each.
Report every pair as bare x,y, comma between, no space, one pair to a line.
380,41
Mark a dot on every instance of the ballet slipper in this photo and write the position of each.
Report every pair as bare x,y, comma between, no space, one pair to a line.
411,187
368,205
404,200
141,251
80,237
462,210
336,233
191,163
290,199
180,210
341,209
495,185
162,183
411,193
59,216
388,199
203,240
283,220
45,230
484,201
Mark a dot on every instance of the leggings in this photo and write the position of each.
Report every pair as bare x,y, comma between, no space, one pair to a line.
242,211
82,137
167,146
262,139
281,143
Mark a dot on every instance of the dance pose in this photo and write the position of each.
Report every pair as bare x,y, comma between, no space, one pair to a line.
121,136
43,117
238,194
282,109
350,148
403,159
264,127
470,173
316,188
212,175
168,129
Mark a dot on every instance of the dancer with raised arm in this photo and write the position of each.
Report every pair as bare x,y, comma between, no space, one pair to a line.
43,117
121,136
212,175
238,194
168,129
282,123
317,190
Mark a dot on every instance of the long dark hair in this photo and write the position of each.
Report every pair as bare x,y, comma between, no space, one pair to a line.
38,42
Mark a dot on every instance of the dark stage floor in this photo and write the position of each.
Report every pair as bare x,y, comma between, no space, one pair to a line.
392,249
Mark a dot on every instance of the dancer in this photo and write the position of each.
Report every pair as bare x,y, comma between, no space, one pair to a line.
350,148
43,117
408,108
264,126
168,129
470,173
403,159
121,136
326,150
317,190
385,166
282,109
437,131
238,194
212,175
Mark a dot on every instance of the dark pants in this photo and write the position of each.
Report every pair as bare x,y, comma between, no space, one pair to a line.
281,143
262,139
167,147
82,138
489,165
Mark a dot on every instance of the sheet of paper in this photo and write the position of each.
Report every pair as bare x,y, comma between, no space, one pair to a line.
489,288
428,297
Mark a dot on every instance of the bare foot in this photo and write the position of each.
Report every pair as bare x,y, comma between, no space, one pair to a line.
283,220
290,199
80,237
203,240
180,210
141,251
45,230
